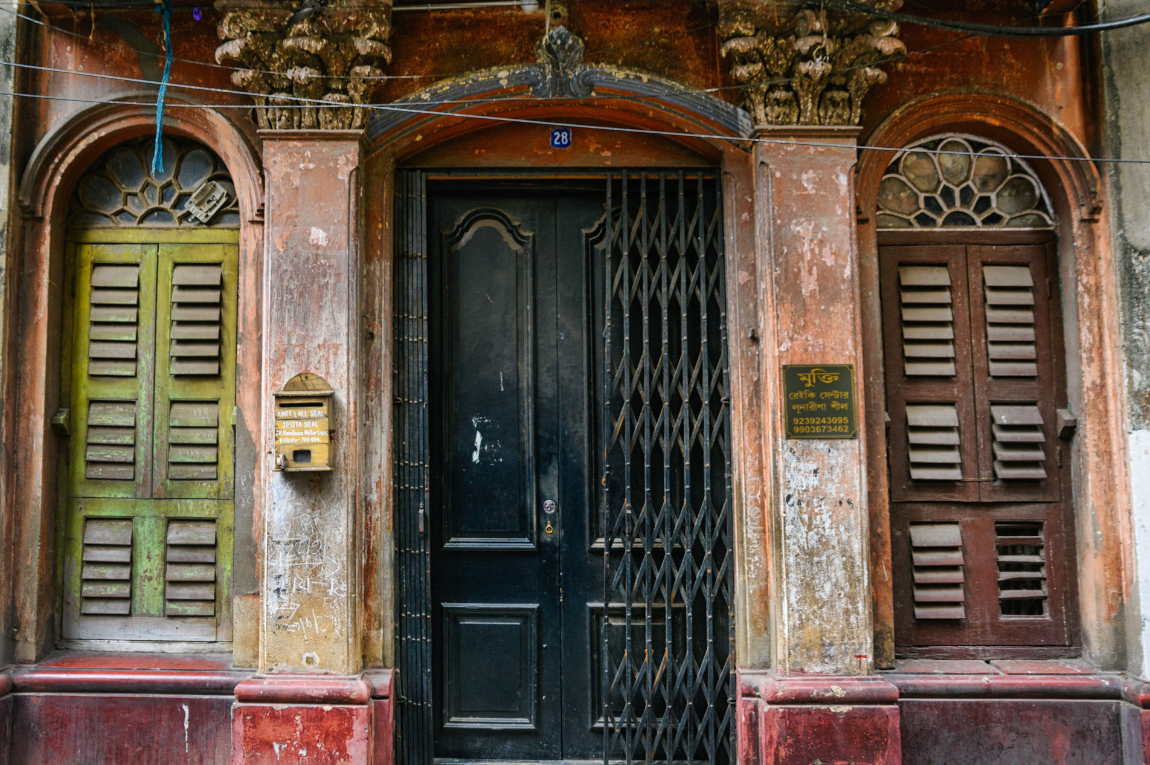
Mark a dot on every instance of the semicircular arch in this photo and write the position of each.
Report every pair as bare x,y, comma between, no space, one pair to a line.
621,99
64,154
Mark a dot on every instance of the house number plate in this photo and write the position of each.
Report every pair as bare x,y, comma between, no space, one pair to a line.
561,138
820,400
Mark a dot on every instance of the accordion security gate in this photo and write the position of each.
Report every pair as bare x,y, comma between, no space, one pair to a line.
664,513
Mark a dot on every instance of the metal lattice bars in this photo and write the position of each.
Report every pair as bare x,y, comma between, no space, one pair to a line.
667,630
414,679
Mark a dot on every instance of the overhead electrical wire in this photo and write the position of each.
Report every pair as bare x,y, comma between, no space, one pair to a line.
302,103
639,98
989,30
320,104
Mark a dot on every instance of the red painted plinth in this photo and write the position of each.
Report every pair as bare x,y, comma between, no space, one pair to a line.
301,734
829,720
799,735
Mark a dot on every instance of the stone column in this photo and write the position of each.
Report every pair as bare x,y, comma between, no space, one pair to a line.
310,620
820,699
310,325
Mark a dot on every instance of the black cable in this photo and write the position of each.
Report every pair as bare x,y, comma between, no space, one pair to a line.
988,30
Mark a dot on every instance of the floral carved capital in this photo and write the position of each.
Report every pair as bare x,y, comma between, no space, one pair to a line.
805,66
308,65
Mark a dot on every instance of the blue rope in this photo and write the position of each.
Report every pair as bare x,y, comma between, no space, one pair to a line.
158,151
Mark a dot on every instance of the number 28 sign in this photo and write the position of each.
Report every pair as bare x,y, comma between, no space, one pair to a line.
561,138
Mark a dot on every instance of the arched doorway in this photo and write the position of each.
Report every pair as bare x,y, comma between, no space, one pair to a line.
981,518
148,377
594,610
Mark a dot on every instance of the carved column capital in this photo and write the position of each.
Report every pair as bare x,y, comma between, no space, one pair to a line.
330,52
805,66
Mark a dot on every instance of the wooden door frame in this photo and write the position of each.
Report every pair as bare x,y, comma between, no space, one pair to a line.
1099,481
411,135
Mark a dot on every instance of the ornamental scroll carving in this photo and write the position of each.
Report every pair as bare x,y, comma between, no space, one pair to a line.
805,66
560,58
308,65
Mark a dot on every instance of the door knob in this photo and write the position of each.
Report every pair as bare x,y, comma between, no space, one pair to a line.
548,507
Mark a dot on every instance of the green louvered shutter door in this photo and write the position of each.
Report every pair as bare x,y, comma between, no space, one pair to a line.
152,446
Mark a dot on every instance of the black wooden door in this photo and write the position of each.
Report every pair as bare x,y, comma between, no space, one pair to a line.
512,570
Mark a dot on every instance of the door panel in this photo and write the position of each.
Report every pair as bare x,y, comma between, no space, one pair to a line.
488,263
508,376
151,362
489,666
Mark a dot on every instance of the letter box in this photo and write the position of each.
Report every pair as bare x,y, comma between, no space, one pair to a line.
303,411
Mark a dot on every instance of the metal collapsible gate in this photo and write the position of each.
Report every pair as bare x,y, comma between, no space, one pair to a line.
664,456
666,478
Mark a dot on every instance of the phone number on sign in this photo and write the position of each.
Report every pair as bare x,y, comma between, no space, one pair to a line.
821,421
820,429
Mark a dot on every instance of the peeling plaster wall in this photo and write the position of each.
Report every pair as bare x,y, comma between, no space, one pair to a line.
1126,61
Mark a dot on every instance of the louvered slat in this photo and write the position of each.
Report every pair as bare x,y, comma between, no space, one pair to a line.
937,565
1021,555
113,320
927,320
933,450
106,567
196,310
1017,442
190,569
193,441
1010,338
110,453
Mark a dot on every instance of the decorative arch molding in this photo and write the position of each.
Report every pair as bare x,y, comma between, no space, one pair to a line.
623,97
517,239
63,155
1015,124
1091,330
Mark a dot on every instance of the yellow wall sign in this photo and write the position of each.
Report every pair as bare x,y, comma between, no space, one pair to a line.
819,400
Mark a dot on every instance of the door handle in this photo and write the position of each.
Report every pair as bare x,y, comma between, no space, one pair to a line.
548,511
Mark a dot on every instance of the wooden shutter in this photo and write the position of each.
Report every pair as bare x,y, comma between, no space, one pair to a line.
190,573
106,576
110,454
932,435
981,545
937,571
111,378
1017,386
193,441
114,317
1021,559
152,392
197,300
195,391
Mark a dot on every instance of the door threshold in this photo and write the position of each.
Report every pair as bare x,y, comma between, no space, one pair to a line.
453,761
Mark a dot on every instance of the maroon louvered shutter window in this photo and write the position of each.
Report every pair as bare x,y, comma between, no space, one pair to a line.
974,376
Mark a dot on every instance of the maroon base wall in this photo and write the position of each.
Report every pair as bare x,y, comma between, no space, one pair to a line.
120,730
1006,732
6,703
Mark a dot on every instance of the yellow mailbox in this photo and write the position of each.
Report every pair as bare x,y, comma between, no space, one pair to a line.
304,424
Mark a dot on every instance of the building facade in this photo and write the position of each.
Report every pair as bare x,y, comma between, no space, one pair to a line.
637,381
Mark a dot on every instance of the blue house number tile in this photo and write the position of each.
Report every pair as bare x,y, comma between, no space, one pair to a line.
561,138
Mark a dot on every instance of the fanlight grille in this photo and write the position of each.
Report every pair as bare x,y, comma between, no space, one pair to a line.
958,181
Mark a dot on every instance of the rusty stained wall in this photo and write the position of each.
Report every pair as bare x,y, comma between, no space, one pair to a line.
311,620
1052,74
1126,58
672,38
